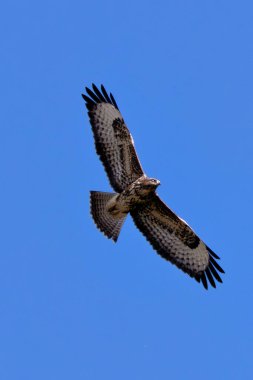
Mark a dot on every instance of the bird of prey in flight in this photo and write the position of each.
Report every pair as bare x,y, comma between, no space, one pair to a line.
135,194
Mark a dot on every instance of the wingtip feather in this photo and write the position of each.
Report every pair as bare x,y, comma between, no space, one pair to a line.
113,101
204,280
210,277
212,253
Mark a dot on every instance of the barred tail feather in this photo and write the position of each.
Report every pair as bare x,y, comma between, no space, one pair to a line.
107,223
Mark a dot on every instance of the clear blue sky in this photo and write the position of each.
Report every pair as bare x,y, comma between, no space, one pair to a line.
74,305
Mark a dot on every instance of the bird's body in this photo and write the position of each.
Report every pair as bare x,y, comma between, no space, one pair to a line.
136,195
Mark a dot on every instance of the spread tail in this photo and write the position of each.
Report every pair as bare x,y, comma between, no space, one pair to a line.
107,223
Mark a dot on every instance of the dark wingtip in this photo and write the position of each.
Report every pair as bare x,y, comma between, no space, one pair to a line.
210,277
212,253
214,272
217,266
113,101
204,280
88,102
211,274
98,93
86,98
96,96
93,95
104,92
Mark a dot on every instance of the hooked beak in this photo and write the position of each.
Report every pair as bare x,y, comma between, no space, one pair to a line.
157,182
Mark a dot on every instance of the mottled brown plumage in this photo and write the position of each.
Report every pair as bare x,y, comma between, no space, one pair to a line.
136,194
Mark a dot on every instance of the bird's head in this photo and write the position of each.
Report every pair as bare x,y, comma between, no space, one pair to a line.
151,183
148,186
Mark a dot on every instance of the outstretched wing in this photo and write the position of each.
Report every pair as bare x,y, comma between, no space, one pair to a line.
114,143
175,241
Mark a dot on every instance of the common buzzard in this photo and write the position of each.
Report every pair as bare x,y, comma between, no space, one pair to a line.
136,194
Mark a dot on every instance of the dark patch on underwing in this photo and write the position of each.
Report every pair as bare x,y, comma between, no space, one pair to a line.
120,130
